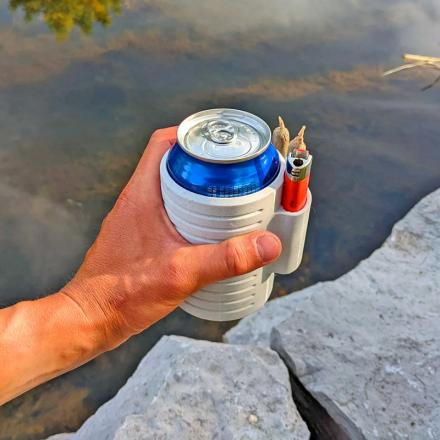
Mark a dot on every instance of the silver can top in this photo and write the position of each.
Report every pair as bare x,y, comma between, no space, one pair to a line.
223,135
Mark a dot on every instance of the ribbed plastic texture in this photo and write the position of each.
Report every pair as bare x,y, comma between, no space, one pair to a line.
202,219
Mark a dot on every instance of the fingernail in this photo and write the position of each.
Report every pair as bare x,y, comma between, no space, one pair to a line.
268,247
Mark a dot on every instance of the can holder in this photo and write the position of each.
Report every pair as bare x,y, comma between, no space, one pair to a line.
201,219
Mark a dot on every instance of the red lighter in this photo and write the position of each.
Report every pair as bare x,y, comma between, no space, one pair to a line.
297,175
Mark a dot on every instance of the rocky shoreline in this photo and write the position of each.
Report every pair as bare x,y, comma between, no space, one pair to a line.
354,358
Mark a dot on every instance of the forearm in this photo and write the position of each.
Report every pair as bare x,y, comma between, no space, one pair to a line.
42,339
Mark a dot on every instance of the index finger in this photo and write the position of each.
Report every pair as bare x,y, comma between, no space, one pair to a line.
160,141
144,184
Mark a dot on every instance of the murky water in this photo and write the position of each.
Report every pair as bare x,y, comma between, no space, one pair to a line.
78,101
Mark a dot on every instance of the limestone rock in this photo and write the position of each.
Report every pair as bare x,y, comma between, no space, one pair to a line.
63,436
365,349
188,389
255,329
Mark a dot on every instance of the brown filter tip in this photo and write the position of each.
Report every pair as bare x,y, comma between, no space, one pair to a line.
281,122
298,141
281,137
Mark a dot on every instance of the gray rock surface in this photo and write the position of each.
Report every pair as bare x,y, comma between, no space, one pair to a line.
365,349
188,389
63,436
256,329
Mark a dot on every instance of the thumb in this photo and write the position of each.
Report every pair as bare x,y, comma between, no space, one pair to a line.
233,257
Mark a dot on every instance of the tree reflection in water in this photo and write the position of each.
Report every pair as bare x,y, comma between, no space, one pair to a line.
61,16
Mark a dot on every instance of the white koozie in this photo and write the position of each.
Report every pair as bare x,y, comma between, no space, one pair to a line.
202,219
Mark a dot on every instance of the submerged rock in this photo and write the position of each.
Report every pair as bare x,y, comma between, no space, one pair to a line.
188,389
365,349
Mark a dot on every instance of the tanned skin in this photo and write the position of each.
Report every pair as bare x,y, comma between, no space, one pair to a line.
137,271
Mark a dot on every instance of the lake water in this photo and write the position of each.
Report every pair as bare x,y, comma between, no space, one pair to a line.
78,101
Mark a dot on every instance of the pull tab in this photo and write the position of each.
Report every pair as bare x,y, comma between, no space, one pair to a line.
220,131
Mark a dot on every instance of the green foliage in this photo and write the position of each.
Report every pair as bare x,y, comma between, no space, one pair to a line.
61,16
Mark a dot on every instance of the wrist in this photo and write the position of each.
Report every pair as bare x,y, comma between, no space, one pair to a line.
91,299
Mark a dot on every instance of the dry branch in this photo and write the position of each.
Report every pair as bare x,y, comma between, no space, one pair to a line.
418,61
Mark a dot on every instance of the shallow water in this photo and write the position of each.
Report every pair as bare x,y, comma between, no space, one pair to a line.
76,109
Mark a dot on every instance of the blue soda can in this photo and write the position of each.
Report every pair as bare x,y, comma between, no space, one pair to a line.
223,153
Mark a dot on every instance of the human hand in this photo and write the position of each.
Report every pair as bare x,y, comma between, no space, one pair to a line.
140,269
